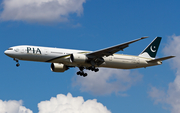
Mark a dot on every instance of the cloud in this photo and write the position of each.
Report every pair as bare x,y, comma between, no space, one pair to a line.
107,81
172,48
170,97
69,104
157,95
59,104
13,106
40,10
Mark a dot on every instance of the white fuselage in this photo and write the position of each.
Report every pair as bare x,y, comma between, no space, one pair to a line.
58,55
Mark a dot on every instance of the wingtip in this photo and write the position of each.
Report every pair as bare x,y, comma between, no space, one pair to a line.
144,37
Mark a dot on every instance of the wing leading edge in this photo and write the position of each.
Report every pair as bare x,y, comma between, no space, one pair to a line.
111,50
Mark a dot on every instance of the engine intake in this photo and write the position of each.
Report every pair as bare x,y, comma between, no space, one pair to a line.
78,58
58,67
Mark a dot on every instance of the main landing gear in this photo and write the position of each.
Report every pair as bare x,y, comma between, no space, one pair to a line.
17,61
81,72
92,68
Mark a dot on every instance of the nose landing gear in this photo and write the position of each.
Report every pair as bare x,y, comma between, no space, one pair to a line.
17,61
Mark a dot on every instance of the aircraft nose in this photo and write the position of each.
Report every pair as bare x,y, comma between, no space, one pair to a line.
9,52
6,52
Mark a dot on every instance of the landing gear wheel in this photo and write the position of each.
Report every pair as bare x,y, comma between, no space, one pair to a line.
17,65
85,74
92,68
78,73
17,61
81,72
96,70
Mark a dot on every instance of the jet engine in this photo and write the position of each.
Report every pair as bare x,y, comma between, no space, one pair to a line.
78,58
58,67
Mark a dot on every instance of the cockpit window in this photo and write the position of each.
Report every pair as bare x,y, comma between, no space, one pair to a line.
10,49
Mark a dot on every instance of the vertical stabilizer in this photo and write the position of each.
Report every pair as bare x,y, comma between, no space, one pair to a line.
151,50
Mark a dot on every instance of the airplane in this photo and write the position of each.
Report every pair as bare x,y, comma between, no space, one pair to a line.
63,59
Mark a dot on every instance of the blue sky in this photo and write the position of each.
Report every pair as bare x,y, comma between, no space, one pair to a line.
91,25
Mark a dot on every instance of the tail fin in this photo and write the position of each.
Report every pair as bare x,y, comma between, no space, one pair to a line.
151,50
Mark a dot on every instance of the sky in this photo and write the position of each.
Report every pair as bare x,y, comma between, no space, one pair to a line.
89,25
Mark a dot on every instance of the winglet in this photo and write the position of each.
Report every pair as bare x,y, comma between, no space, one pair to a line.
144,37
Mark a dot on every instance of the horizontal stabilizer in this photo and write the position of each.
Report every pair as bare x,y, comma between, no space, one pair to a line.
160,59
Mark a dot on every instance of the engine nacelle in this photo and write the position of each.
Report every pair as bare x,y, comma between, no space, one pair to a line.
57,67
78,58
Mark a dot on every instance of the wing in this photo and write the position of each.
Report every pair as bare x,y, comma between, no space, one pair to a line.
111,50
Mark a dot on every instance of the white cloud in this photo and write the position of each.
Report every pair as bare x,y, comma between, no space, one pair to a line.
59,104
157,95
172,95
40,10
107,81
172,48
13,106
69,104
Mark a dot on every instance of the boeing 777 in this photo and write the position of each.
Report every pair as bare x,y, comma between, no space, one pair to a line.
63,59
